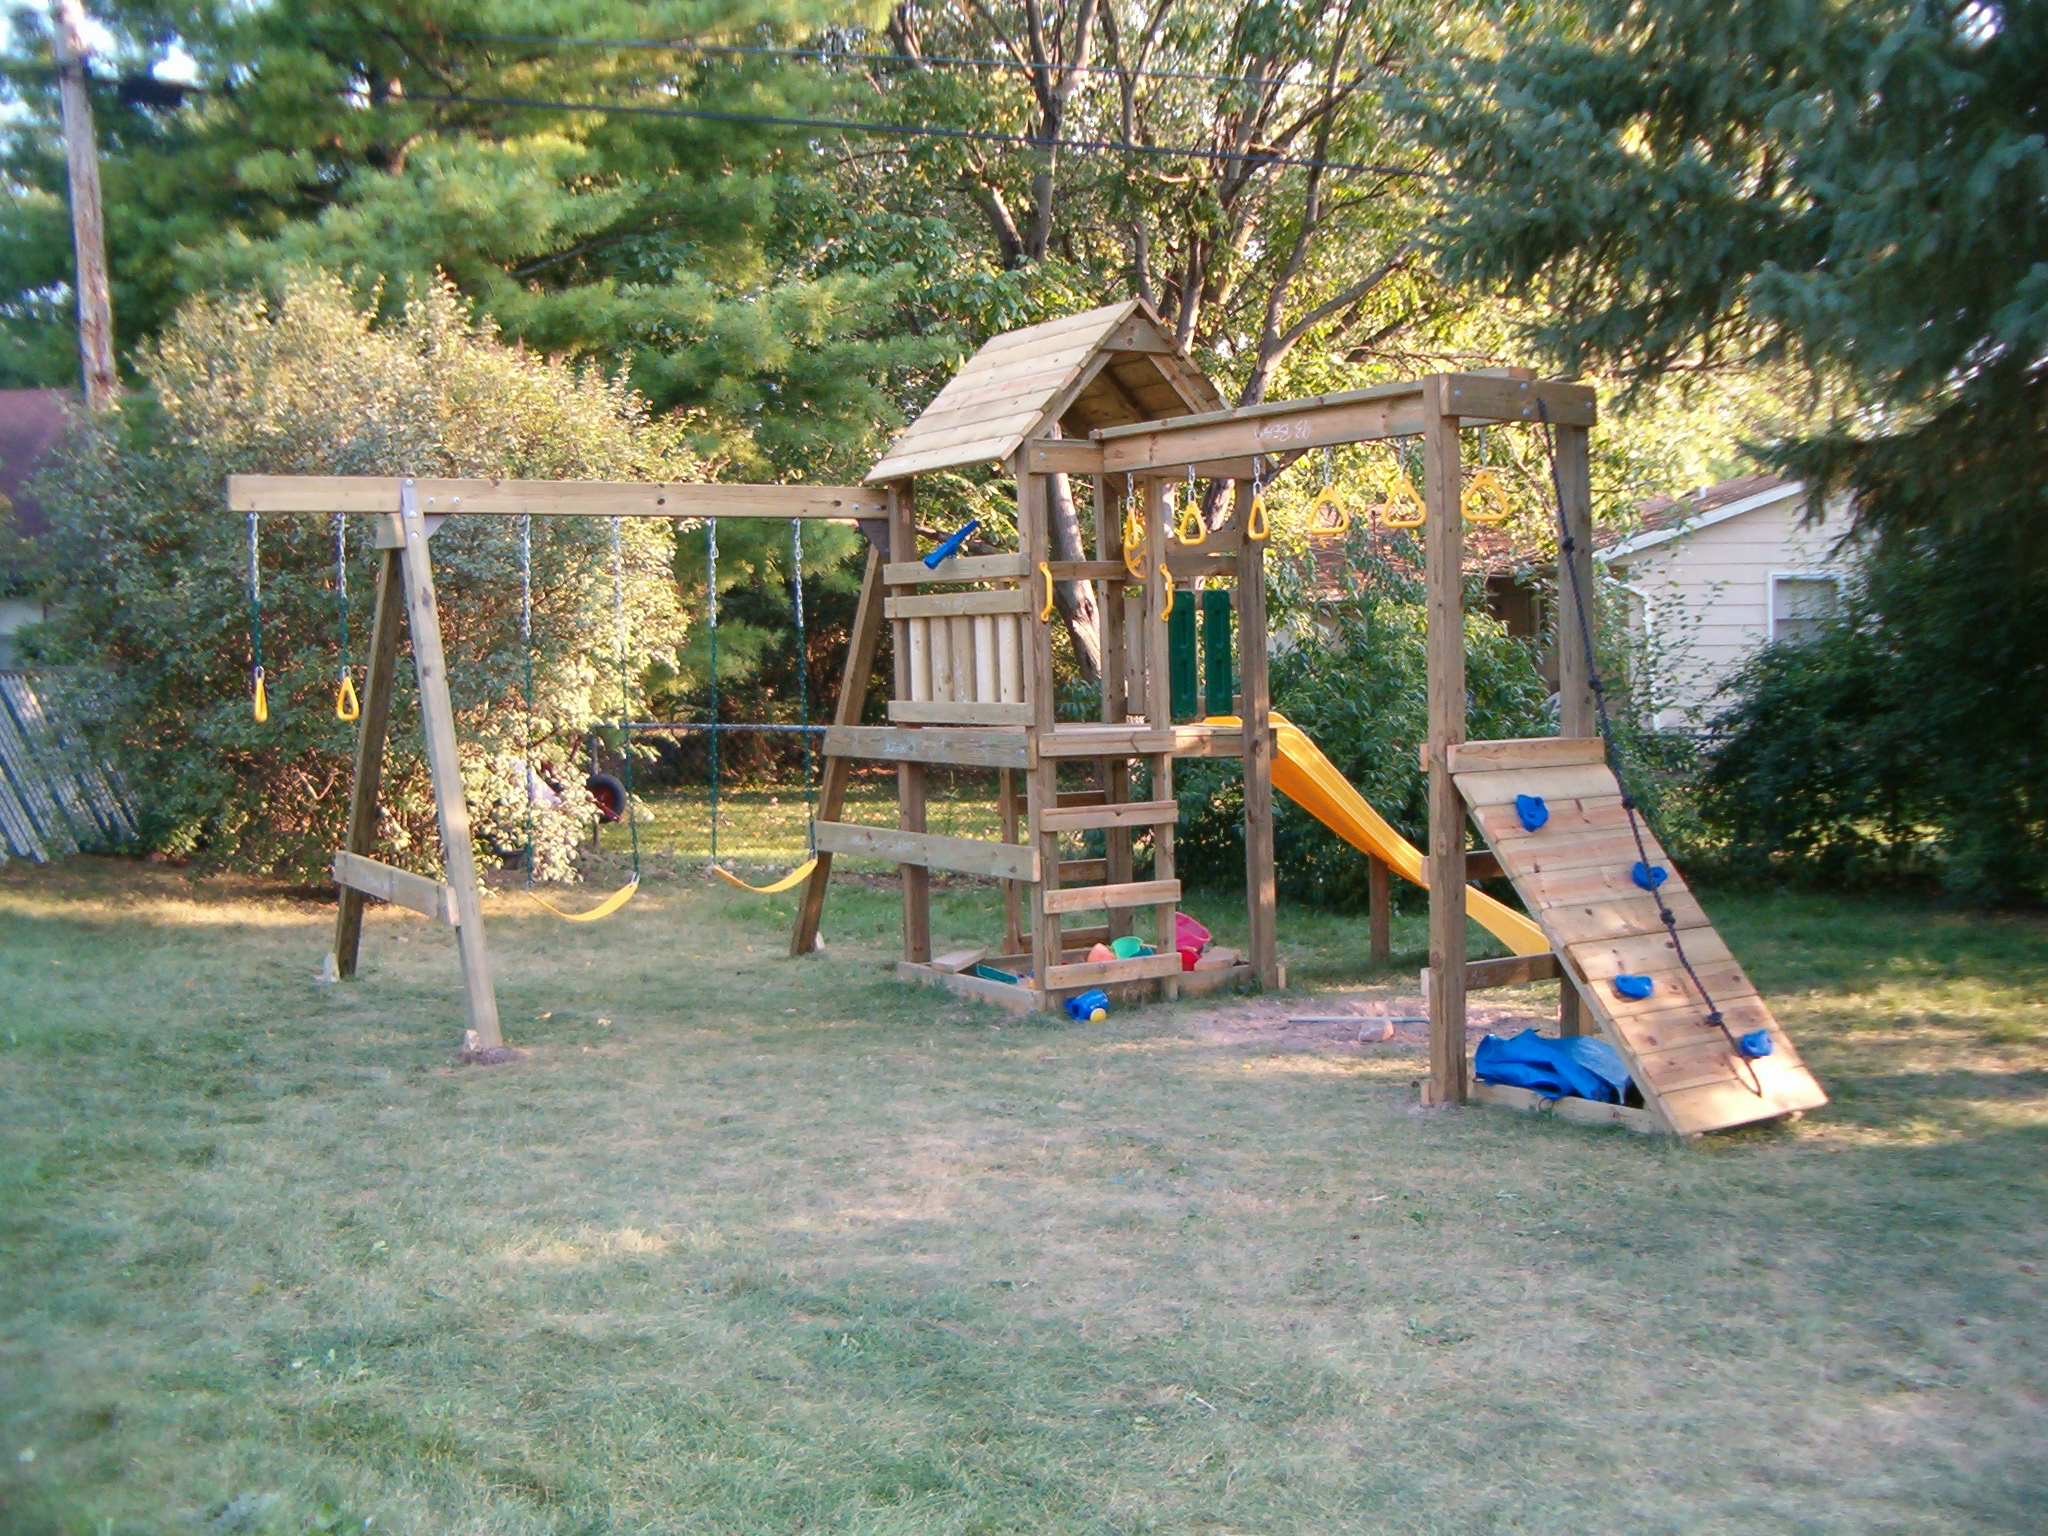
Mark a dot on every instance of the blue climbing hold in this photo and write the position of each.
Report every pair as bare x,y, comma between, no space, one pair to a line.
1649,876
1757,1043
1532,811
951,547
1637,987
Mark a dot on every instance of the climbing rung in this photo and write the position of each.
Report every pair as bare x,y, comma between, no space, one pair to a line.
401,888
1102,898
967,855
1132,813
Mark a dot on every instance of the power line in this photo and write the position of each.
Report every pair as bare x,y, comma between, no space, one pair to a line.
920,131
916,60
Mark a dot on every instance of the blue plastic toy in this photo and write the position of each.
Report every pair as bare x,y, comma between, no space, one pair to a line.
1090,1007
1532,811
951,546
1757,1043
1649,876
1637,987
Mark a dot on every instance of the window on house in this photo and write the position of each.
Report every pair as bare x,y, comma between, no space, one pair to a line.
1802,603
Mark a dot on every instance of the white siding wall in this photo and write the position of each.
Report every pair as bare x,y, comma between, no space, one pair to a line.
1707,594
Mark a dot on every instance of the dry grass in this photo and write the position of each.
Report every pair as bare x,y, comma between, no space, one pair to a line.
759,1246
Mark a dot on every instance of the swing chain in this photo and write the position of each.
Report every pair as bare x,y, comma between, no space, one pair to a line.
625,692
260,696
345,706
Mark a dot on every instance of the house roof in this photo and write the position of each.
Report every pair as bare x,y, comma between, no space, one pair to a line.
1104,367
1665,518
31,421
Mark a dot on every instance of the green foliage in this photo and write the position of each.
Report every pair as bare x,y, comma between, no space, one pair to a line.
1871,753
1350,667
155,599
384,141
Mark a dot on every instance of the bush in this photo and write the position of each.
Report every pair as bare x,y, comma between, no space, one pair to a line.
152,602
1907,743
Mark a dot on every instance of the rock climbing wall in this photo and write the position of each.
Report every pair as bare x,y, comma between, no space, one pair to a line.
1575,872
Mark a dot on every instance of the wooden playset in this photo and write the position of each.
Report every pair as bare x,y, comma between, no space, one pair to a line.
1105,400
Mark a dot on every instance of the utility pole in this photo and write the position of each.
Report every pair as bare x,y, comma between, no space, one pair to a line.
88,230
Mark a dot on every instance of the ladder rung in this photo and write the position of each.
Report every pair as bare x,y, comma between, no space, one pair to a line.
1102,898
1132,813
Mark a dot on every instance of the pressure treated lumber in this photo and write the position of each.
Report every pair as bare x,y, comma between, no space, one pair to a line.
402,888
962,747
372,728
1104,898
549,498
929,850
1131,813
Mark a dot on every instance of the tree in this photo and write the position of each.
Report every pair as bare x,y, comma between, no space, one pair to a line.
156,607
411,140
1691,185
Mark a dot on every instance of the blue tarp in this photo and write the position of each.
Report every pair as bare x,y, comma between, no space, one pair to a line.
1578,1067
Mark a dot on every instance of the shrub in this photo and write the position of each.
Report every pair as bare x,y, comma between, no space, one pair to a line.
151,596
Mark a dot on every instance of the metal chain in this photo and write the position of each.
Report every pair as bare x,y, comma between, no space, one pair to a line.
803,684
625,693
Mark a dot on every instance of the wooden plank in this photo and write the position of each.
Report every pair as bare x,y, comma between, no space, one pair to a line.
1104,898
1082,797
1084,871
929,850
1592,922
1131,813
548,498
966,747
1063,456
1502,828
957,960
1255,745
1582,782
1543,886
1510,971
402,888
1104,973
372,729
1444,581
1722,1106
1088,570
1016,999
1646,954
1034,537
957,712
862,644
1528,752
444,772
905,573
946,605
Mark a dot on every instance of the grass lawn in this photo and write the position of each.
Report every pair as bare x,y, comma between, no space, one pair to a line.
760,1246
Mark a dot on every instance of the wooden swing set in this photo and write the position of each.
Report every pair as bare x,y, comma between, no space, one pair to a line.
1105,399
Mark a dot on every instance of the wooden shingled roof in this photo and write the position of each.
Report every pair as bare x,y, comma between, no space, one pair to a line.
1105,367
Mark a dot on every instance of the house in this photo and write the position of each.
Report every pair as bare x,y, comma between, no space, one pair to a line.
1712,575
31,421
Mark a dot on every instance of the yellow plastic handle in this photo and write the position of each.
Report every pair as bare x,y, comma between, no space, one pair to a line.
1167,611
262,699
1255,527
1134,544
1329,518
1486,499
1404,508
1045,613
345,705
1190,529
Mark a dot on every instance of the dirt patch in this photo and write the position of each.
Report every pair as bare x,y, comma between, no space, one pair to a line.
1354,1021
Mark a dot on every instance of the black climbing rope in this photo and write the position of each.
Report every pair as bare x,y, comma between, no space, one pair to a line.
1566,547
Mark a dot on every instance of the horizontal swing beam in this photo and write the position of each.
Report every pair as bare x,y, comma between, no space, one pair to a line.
373,494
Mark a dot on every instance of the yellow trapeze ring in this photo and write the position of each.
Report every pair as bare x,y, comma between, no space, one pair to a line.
1190,529
345,705
1329,517
1255,527
1403,496
1486,500
789,881
604,908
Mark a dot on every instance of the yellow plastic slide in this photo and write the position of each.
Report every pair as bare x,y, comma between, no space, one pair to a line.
1311,781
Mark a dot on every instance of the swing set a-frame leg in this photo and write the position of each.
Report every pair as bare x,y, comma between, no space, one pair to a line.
371,733
853,692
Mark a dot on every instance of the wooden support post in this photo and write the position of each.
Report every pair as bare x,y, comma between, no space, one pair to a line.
853,690
1256,712
88,226
1577,714
1013,893
1042,779
1444,540
1162,870
910,817
1158,701
371,732
1115,772
444,769
1379,909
